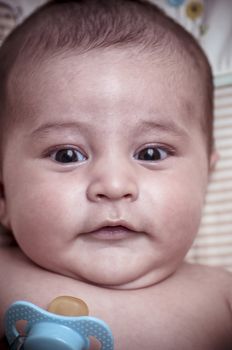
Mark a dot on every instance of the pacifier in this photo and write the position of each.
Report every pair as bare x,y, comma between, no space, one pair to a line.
64,326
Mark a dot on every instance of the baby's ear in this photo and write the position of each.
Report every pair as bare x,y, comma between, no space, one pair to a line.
3,211
213,160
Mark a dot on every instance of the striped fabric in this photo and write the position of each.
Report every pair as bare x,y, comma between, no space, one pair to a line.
213,245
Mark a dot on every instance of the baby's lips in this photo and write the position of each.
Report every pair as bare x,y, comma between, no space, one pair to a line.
68,306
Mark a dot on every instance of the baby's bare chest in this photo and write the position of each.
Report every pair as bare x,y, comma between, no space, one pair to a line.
169,322
171,329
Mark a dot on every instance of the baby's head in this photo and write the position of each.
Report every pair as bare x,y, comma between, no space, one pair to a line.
61,28
106,140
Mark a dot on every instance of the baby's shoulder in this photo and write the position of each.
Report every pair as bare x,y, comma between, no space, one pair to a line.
216,278
214,284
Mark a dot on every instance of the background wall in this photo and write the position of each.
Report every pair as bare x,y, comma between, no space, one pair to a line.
210,21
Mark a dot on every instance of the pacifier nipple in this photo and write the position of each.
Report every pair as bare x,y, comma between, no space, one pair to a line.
68,306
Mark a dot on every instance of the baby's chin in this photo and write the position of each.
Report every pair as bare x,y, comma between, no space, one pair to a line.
116,271
125,280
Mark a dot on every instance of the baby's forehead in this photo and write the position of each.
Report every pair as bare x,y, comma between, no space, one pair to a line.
179,63
99,75
58,69
75,63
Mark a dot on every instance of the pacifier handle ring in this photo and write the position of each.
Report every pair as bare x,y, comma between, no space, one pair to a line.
86,326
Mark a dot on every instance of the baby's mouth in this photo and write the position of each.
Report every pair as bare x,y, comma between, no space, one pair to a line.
112,233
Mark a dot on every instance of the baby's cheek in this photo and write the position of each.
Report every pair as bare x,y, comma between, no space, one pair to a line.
38,216
183,209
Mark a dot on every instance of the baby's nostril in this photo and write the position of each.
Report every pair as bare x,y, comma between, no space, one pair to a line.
100,196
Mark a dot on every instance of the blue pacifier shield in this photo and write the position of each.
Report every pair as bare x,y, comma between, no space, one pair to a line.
46,331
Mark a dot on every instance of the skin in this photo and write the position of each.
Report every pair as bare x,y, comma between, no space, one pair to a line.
114,223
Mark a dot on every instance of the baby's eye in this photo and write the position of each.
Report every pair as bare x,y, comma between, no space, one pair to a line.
68,155
152,154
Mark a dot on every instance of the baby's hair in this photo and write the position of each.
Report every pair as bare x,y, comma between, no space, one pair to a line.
64,26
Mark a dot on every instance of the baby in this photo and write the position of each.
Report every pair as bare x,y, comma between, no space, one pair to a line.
106,151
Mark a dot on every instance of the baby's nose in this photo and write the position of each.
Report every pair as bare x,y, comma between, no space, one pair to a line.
112,182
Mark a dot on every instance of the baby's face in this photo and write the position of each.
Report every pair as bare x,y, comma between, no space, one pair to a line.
105,176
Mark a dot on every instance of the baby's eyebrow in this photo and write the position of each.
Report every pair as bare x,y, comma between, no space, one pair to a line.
46,128
167,127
